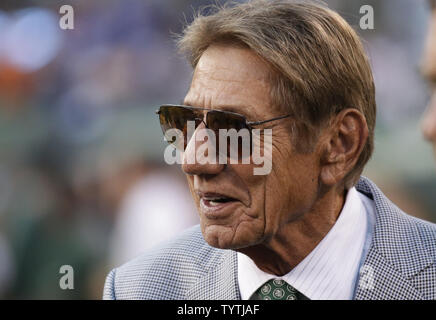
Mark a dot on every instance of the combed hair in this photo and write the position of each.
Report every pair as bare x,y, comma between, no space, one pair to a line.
318,63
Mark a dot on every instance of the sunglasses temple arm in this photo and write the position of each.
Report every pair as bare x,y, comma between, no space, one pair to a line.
255,123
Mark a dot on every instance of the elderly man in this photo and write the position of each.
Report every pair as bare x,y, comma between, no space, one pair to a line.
311,228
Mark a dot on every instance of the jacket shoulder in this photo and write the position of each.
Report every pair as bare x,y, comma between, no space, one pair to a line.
165,272
403,244
395,226
427,235
424,280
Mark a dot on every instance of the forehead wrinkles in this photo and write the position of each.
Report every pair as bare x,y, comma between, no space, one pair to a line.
253,96
215,84
237,74
230,76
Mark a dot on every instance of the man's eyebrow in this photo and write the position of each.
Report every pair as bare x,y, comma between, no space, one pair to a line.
245,111
230,108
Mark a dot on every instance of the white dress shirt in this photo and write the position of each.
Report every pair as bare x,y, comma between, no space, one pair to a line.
330,271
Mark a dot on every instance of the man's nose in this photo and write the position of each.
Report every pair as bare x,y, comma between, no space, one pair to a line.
428,125
195,162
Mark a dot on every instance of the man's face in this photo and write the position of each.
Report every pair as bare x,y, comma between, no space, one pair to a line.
429,70
253,208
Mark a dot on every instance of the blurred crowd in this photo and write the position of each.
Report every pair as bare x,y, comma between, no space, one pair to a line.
82,176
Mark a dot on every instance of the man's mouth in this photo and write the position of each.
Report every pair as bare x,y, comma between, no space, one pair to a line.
215,205
214,201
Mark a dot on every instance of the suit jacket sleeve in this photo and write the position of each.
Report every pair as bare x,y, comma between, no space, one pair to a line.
109,286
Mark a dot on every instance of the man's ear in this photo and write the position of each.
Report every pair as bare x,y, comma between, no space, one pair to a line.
342,145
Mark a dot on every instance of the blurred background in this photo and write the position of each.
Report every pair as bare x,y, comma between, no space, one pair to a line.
82,176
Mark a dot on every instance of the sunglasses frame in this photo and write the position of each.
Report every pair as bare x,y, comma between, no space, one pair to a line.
248,124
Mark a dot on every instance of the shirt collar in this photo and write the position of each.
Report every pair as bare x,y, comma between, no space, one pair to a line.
330,270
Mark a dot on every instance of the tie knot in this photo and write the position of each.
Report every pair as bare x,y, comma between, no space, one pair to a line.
276,289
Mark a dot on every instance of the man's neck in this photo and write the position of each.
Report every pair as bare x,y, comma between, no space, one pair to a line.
294,241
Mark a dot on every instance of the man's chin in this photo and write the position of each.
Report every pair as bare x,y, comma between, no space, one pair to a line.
225,237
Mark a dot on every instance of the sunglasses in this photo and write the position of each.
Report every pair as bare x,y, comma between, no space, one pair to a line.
177,117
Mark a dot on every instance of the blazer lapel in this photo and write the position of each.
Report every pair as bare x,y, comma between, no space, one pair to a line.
396,255
220,282
379,280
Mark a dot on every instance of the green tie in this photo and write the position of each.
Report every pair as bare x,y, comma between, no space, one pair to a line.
276,289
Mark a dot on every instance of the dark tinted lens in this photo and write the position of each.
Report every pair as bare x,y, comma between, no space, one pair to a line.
238,134
225,120
175,117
